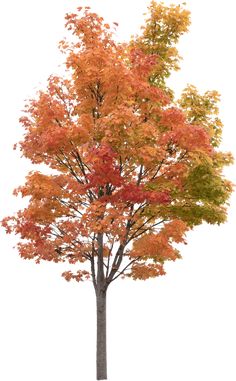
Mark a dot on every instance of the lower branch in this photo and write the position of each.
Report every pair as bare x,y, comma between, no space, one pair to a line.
125,268
116,264
93,273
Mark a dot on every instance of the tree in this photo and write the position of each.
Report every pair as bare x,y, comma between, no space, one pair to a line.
131,168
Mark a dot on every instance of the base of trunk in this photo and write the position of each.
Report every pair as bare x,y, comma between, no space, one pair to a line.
101,337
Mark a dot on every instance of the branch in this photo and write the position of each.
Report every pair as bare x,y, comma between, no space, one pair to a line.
82,167
79,160
139,228
116,264
158,169
142,206
63,100
140,175
109,257
178,161
125,268
93,273
121,165
68,166
70,205
144,230
119,254
100,268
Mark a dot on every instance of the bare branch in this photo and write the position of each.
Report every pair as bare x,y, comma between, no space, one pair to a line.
158,169
121,165
68,166
93,273
100,268
116,264
69,205
109,257
142,206
144,230
125,268
140,175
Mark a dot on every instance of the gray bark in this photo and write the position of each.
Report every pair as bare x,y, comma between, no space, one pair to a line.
101,336
101,314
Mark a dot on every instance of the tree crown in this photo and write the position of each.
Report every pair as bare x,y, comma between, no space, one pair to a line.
132,169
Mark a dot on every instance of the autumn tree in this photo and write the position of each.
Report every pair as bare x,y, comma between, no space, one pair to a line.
131,168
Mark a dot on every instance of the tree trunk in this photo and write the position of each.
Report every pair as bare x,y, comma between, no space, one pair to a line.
101,336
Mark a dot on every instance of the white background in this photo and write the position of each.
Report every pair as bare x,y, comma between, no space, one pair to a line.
180,327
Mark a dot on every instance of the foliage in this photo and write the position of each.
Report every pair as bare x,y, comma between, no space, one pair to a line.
132,170
161,33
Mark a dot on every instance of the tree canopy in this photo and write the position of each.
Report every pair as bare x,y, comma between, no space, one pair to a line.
132,169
